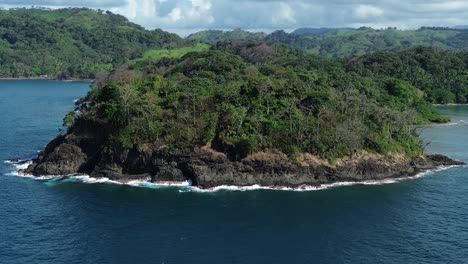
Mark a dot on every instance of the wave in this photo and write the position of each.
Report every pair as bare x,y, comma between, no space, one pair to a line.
19,164
135,183
158,185
456,123
302,188
23,164
305,188
186,185
88,179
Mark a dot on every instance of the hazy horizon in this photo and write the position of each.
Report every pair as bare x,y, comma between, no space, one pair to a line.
188,16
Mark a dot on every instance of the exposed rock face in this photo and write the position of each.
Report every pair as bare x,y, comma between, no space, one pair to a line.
207,168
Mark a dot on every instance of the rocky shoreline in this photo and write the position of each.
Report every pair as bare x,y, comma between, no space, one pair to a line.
450,104
207,168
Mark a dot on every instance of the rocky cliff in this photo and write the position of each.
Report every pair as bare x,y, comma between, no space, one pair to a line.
205,167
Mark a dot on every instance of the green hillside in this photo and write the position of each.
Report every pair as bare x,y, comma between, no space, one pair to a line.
157,54
213,36
442,75
79,42
245,97
347,42
74,42
242,92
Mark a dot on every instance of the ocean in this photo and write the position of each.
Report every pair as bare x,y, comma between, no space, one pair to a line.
81,220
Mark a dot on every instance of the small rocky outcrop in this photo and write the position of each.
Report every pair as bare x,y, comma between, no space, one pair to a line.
207,168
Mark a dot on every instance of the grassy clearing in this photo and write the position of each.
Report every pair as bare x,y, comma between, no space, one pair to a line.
174,53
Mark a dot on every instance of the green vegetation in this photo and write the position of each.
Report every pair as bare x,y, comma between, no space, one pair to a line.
74,42
442,75
242,96
174,53
213,36
347,42
69,119
341,43
80,42
246,97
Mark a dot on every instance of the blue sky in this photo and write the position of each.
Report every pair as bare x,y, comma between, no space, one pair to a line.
186,16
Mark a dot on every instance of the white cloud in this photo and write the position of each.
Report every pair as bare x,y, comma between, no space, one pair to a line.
130,11
444,6
285,15
367,11
191,15
149,8
176,14
199,12
201,5
186,13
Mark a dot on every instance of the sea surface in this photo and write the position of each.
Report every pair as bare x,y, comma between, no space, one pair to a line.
78,220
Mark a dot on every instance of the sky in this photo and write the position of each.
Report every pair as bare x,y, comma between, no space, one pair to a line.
187,16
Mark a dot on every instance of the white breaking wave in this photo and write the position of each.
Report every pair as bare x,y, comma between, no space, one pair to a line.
18,162
457,123
23,165
186,185
89,180
19,165
23,175
304,188
449,124
157,185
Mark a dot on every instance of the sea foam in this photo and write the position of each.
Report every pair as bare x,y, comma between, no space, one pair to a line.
186,185
305,188
456,123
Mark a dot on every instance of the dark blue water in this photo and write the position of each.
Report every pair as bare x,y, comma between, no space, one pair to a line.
45,221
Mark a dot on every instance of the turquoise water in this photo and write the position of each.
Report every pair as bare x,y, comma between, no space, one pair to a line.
55,221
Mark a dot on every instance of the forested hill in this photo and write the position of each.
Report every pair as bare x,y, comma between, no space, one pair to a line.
213,36
347,42
245,97
80,42
442,75
73,42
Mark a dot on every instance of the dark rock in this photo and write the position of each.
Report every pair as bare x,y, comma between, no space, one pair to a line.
208,168
63,160
441,160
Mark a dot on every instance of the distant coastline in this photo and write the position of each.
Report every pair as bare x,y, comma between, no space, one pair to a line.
45,78
450,104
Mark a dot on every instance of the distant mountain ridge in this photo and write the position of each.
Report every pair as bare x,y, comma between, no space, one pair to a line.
348,42
316,31
213,36
80,42
71,42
